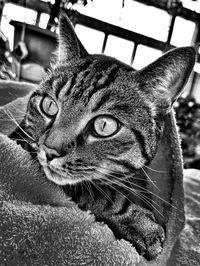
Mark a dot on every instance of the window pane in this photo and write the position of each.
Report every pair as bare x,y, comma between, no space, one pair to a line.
14,12
134,16
145,55
191,4
195,90
44,18
105,10
183,32
19,13
197,68
147,20
119,48
91,39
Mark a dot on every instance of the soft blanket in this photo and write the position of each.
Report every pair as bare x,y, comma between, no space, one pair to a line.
40,225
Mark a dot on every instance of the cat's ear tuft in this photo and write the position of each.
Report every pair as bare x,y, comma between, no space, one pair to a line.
165,78
70,47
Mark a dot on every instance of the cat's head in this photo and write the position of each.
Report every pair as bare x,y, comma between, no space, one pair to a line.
94,116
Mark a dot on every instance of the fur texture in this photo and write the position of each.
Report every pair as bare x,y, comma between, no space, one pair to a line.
95,119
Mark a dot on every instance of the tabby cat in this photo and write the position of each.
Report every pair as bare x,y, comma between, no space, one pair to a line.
95,123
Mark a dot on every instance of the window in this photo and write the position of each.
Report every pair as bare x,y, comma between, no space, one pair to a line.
119,48
18,13
147,20
105,10
144,56
44,18
183,32
192,5
91,39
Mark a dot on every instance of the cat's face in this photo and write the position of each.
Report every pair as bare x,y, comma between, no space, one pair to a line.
94,116
90,119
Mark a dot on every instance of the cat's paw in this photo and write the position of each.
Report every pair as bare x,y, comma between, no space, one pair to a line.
139,227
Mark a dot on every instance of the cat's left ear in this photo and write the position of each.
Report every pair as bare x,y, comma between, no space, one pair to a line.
70,47
164,79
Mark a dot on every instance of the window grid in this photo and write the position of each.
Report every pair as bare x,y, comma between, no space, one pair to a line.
136,38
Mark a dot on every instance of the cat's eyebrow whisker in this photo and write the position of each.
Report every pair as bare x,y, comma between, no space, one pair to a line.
13,119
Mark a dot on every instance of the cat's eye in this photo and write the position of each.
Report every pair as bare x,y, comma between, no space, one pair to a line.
105,126
48,106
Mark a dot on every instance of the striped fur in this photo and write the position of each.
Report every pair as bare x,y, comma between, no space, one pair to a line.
86,86
61,119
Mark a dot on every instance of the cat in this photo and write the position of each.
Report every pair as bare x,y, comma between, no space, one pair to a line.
94,122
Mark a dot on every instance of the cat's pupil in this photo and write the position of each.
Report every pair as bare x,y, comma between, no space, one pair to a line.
49,107
105,126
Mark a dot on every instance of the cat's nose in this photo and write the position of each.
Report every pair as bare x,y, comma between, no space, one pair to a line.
50,153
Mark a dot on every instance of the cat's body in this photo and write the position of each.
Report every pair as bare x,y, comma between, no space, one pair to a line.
95,121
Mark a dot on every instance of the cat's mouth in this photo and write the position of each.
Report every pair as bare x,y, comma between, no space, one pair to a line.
128,216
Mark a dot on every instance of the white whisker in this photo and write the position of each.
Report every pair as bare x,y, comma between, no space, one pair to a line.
89,189
102,192
150,178
143,190
13,119
154,170
137,193
112,187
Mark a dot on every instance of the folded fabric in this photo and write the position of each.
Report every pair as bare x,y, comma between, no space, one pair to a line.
40,225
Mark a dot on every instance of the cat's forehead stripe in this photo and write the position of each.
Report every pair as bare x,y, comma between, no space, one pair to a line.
86,80
58,85
91,82
101,82
66,88
102,101
65,78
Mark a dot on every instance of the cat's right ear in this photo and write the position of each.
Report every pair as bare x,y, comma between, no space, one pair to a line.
163,80
70,47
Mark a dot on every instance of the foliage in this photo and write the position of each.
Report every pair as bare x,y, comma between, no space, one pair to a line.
188,121
64,3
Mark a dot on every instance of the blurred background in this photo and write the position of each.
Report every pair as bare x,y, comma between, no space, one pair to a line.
135,32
